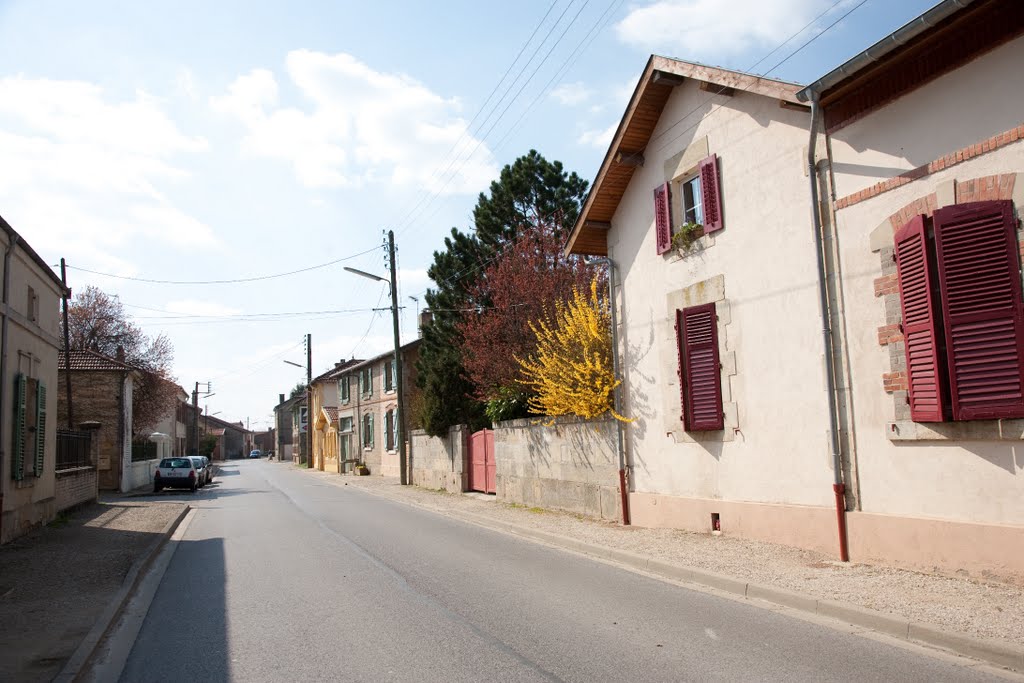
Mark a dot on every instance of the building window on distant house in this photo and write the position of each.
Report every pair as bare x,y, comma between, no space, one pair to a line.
389,375
960,295
345,424
343,389
366,381
32,305
368,431
389,434
700,370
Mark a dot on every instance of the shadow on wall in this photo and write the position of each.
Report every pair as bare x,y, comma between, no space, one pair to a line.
1003,455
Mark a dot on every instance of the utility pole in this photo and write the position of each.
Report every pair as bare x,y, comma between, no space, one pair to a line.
403,473
309,399
67,345
195,421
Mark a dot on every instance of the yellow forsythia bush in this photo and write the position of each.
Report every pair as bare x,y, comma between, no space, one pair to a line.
571,370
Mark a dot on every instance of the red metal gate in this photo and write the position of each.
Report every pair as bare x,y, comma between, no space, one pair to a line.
482,471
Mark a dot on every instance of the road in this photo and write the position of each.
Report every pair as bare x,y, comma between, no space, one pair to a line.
281,576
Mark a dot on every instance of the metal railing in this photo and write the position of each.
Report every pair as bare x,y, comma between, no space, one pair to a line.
74,449
143,450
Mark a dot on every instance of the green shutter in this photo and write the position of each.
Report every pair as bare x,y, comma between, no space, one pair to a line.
40,427
369,431
18,456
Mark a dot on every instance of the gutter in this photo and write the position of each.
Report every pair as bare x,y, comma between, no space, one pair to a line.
838,487
891,42
13,239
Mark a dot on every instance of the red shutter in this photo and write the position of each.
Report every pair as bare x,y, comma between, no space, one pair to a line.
663,217
979,275
711,195
681,368
702,370
925,379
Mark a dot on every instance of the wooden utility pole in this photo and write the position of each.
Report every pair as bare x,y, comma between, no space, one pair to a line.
67,345
309,399
403,473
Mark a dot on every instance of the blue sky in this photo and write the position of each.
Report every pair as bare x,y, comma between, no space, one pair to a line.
198,141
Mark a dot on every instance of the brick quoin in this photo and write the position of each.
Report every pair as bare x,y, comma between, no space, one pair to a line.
894,381
887,284
961,155
889,334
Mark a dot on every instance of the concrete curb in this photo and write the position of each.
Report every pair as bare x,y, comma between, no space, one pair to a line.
1000,654
87,648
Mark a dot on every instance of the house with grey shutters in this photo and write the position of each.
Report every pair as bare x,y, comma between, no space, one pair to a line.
30,322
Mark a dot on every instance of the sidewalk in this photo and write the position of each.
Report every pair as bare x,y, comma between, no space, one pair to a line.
58,580
990,611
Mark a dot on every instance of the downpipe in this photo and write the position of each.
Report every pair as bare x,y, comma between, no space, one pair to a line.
838,487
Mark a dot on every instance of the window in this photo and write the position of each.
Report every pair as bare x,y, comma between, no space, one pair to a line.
700,202
700,372
366,381
389,375
389,434
343,389
32,305
963,325
343,447
29,446
368,431
345,424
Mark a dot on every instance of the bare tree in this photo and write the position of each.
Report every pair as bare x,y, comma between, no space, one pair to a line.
98,322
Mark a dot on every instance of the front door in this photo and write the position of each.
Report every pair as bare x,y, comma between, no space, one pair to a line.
482,469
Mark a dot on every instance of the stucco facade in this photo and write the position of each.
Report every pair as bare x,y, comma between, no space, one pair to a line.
31,327
947,494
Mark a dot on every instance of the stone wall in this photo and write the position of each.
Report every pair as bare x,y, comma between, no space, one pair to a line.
571,465
97,397
440,463
75,486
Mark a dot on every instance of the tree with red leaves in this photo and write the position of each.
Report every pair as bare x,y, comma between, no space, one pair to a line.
521,286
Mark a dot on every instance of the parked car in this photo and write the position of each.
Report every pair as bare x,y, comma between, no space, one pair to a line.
209,469
202,473
176,473
256,453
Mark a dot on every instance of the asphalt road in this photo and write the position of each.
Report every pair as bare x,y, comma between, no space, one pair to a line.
282,577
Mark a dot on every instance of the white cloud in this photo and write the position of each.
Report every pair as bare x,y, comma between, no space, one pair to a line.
360,126
599,138
571,94
84,173
714,29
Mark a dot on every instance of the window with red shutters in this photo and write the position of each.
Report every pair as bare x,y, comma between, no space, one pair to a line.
979,279
663,217
700,368
925,376
711,194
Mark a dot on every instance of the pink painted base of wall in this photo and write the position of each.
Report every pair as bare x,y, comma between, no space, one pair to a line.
979,550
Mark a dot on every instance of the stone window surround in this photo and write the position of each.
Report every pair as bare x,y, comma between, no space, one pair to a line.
707,291
678,168
951,192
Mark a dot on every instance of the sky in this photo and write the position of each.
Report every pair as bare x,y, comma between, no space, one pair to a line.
189,157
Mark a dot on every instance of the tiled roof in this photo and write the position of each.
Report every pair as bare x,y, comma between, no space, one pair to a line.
336,370
332,413
91,360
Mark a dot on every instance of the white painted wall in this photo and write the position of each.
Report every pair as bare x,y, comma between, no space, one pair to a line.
779,452
965,106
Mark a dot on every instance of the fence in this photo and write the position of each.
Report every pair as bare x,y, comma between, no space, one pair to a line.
74,449
143,450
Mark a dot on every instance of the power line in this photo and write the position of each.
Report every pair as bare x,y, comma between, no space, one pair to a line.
224,282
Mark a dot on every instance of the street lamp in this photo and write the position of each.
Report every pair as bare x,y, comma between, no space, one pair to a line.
309,394
392,284
295,364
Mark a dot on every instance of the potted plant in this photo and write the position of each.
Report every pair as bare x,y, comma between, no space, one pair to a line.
686,236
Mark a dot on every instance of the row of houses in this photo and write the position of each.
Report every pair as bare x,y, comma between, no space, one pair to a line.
820,322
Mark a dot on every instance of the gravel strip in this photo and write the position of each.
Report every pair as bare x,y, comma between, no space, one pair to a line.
969,606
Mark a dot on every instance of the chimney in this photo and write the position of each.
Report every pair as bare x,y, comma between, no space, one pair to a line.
120,353
280,399
426,318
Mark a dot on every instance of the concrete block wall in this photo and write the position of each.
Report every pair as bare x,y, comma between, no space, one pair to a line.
76,486
139,473
571,465
440,463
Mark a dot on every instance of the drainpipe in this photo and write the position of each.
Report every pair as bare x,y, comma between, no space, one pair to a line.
13,239
617,394
838,487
